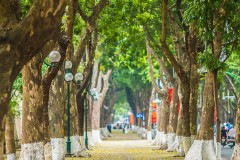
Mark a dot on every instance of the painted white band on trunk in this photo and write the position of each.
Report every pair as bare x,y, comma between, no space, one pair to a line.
32,151
236,152
179,146
164,138
75,144
201,150
11,156
186,144
96,136
173,147
149,136
48,151
170,138
58,148
208,150
156,139
90,140
218,150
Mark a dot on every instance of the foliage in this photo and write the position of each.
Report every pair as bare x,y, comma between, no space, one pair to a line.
25,6
210,61
16,96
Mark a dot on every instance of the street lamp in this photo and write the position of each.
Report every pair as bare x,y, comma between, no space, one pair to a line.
54,58
93,94
69,78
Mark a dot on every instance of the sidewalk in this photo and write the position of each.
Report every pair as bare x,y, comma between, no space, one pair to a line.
127,147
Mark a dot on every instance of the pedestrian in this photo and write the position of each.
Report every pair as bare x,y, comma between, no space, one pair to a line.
231,133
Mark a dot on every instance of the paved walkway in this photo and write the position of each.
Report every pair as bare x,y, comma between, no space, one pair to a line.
128,147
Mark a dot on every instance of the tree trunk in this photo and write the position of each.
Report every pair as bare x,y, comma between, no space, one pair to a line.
194,81
32,111
236,151
164,119
26,41
9,138
204,138
57,118
131,102
149,126
173,117
102,90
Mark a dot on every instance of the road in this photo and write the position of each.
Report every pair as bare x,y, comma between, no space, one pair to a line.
226,153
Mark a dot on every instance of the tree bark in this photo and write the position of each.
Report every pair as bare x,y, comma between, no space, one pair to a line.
32,110
97,104
9,137
57,118
21,40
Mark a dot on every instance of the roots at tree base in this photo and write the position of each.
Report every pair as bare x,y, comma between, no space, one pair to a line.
31,151
58,148
161,140
201,150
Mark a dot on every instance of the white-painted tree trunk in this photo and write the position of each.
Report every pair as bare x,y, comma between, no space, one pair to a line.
236,152
75,144
156,140
174,145
201,150
96,136
180,148
164,139
218,150
58,148
47,151
32,151
192,138
149,136
171,138
82,141
186,144
90,139
11,156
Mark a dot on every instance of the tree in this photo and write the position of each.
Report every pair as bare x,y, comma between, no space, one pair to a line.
21,39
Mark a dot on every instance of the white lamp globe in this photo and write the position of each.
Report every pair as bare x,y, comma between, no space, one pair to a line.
54,56
68,64
93,91
78,77
68,77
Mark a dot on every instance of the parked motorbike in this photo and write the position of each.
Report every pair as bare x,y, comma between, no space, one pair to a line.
231,142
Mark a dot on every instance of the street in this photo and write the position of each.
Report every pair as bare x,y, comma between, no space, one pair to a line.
226,153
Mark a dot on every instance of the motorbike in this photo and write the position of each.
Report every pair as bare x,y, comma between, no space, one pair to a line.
223,141
231,142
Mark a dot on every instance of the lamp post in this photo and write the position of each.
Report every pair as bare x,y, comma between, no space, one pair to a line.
54,58
86,123
68,78
94,96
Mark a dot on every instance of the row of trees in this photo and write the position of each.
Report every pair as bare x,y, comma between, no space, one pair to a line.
196,39
120,39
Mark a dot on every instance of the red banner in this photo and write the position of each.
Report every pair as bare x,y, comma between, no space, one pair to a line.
131,119
154,117
154,105
170,92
